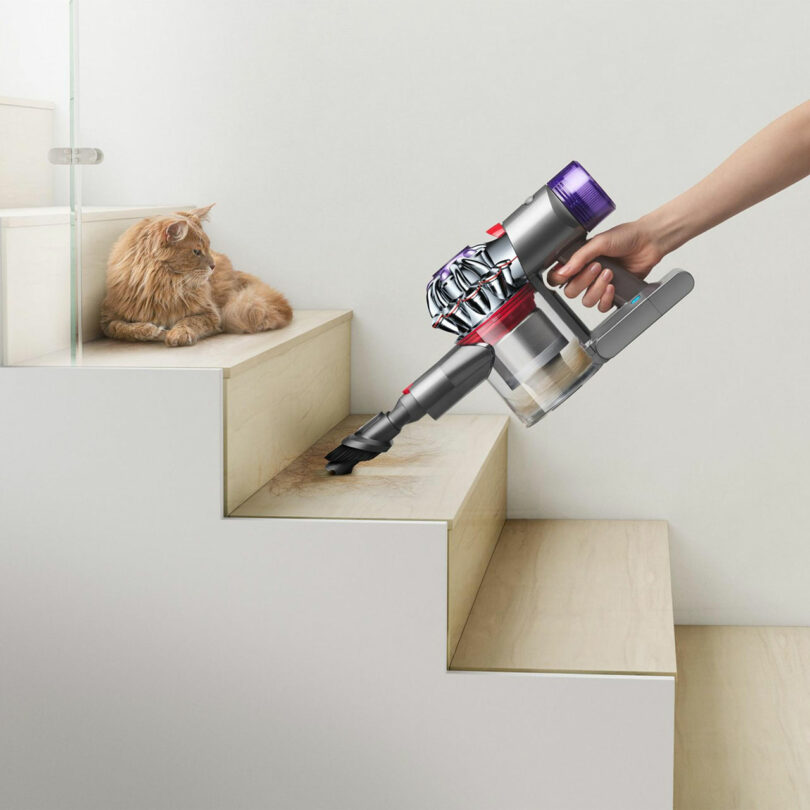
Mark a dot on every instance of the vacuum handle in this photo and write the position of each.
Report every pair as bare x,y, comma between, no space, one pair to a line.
627,285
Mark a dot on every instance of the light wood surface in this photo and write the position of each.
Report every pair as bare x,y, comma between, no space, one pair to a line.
471,540
574,596
427,474
232,353
453,470
278,403
742,718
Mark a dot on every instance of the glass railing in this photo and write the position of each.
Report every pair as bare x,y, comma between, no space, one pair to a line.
36,305
61,208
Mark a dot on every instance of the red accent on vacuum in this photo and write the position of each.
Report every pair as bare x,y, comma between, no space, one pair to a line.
496,230
505,318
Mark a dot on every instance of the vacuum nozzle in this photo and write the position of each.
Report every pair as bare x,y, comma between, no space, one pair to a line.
433,393
364,444
342,459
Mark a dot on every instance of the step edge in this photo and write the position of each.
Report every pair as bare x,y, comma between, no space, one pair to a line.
571,671
341,316
500,437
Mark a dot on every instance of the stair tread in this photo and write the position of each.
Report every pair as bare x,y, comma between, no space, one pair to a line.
742,714
231,353
587,596
426,475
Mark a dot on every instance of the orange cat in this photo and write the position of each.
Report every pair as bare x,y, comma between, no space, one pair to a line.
164,283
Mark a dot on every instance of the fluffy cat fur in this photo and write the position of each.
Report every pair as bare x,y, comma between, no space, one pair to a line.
164,283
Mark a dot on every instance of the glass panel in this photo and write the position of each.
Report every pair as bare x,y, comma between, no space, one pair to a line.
35,228
75,193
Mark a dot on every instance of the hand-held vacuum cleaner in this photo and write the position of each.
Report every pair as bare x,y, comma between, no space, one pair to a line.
535,351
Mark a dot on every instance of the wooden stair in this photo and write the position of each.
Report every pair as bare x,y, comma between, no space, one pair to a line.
432,472
450,595
742,721
281,389
453,471
579,596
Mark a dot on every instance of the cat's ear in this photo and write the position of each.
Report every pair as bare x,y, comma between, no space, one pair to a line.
175,231
201,213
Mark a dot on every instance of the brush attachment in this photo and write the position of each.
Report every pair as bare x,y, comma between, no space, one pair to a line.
366,443
433,393
343,459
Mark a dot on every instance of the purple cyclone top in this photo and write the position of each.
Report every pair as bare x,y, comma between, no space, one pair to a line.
581,195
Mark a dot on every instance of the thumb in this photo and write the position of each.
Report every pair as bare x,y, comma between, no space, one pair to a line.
581,258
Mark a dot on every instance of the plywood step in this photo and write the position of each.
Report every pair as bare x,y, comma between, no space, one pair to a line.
427,474
281,389
453,470
231,353
574,596
742,718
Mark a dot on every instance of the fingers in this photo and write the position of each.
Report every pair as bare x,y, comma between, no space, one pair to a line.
597,289
583,280
595,283
586,254
606,301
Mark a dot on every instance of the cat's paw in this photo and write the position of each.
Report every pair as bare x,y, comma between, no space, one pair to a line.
151,331
180,335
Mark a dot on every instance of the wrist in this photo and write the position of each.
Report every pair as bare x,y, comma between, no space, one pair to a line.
666,228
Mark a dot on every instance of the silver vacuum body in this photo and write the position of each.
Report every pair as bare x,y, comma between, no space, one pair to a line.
511,327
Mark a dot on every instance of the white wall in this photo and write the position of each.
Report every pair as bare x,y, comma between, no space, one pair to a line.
352,147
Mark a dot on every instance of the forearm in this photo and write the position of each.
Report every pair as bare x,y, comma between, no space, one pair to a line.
775,158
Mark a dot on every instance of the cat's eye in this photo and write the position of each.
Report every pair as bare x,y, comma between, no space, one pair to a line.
198,253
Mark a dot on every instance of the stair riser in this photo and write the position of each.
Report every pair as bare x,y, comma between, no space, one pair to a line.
471,539
278,408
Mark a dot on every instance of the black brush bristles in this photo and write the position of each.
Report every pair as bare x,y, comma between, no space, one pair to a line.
343,458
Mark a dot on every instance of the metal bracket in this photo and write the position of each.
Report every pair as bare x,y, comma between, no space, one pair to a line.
65,156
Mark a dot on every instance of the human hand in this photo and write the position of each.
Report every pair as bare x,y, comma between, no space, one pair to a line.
634,244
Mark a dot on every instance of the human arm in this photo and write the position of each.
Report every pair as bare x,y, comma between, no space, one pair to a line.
775,158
